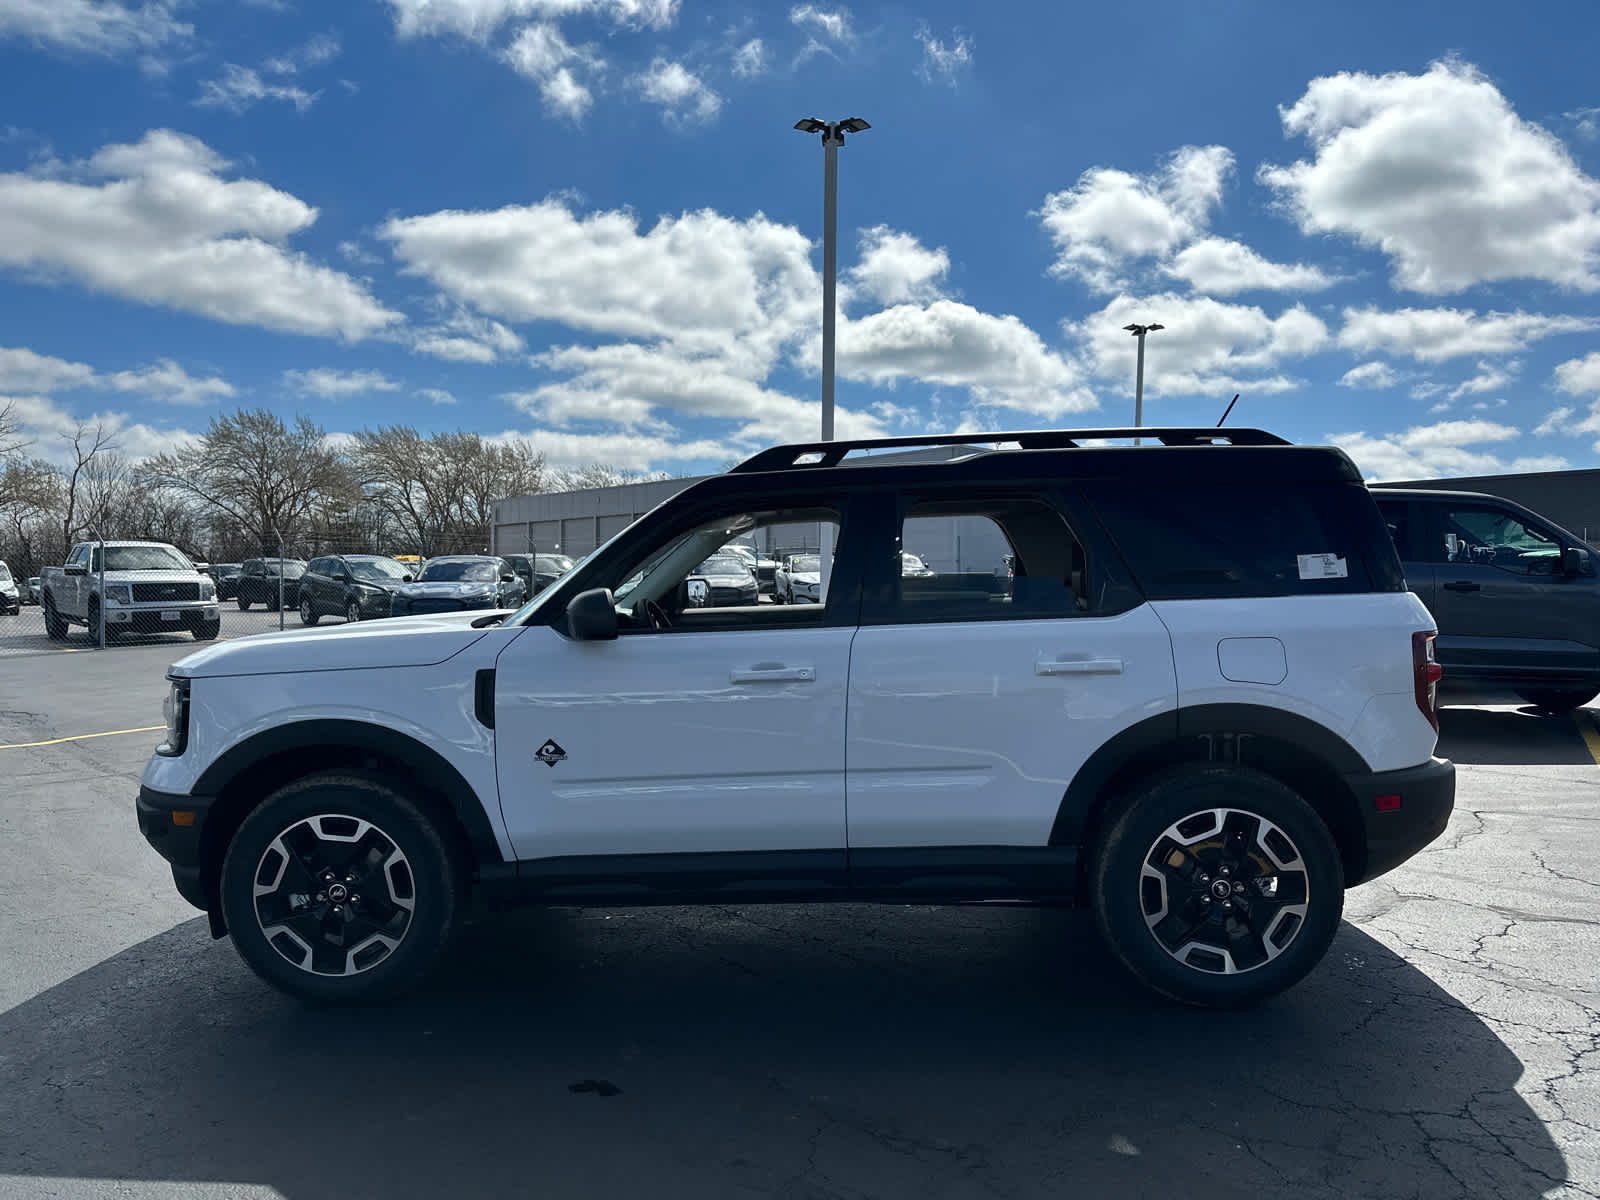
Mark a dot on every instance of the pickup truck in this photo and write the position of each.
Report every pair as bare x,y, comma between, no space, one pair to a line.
150,587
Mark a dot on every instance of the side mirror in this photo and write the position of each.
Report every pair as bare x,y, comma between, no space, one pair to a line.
697,593
1575,560
74,569
507,577
405,579
592,616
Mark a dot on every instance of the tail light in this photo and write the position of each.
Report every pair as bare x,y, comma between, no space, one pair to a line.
1427,672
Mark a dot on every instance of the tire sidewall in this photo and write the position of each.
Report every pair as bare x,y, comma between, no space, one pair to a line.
1114,882
352,607
435,874
308,613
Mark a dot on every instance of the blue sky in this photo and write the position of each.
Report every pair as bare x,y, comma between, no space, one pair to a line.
588,222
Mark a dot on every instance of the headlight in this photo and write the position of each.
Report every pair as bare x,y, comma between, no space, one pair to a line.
119,593
208,590
176,710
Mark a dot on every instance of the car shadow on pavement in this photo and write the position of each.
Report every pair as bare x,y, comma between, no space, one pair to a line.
825,1051
1509,736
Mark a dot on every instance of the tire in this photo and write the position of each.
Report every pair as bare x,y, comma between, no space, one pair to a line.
316,818
96,621
244,605
352,612
54,627
1195,811
271,602
207,631
1556,700
308,614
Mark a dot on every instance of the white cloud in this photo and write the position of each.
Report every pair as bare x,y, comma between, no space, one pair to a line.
1491,377
165,228
327,383
998,359
834,24
1577,376
355,253
1369,375
942,63
1438,451
1206,347
1587,121
463,336
168,382
895,268
1437,334
92,26
46,424
541,54
22,370
436,395
240,87
1440,174
319,50
750,59
1110,217
478,20
681,94
1223,268
626,451
1556,422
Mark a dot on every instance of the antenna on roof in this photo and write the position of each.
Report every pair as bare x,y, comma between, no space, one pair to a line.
1229,409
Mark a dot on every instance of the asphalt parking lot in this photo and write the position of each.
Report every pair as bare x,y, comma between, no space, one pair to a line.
1449,1046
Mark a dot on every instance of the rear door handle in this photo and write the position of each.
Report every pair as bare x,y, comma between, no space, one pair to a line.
1462,585
771,673
1078,666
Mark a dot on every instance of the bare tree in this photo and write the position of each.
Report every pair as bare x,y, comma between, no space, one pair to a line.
267,476
12,443
90,443
30,496
596,475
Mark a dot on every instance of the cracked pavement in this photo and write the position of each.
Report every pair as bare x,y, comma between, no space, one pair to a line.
1449,1046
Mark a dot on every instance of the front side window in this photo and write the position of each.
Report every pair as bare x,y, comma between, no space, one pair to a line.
1494,537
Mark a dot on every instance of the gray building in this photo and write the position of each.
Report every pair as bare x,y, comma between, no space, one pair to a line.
1569,498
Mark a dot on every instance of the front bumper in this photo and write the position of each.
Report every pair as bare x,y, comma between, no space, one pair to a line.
145,616
403,606
1426,794
159,813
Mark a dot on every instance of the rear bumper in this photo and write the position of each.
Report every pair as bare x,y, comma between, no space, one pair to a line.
1426,793
178,844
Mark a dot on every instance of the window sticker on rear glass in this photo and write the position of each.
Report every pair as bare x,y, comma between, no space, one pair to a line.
1322,566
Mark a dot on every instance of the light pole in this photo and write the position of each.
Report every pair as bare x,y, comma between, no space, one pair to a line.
832,138
1139,331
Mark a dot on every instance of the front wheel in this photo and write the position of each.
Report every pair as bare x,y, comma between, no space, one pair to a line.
207,631
338,889
244,605
308,614
1558,700
1217,886
54,627
352,612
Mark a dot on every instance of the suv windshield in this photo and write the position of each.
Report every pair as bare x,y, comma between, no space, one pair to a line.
145,558
802,564
5,572
552,562
291,570
723,564
379,570
455,572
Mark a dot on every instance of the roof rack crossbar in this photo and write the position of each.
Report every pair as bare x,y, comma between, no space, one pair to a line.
831,454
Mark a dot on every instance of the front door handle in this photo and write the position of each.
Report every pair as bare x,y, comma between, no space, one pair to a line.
771,673
1078,666
1462,585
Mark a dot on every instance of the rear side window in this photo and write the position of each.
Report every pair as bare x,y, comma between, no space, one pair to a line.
1220,540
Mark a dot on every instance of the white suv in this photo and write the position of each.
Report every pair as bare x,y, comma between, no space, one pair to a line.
1200,702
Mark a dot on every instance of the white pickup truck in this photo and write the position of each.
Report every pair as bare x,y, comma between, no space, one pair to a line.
150,587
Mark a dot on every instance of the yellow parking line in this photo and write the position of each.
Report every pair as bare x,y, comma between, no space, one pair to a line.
1591,736
78,737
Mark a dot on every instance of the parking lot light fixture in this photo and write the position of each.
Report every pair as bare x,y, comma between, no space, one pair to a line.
1139,332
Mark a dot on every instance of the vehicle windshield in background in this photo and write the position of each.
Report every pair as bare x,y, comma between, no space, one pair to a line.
723,564
458,572
553,562
380,570
291,570
145,558
225,571
801,564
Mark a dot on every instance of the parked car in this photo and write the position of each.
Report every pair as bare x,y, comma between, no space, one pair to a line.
357,587
731,579
539,571
766,569
1516,596
453,582
10,594
226,577
912,567
150,587
799,579
1206,709
258,583
33,592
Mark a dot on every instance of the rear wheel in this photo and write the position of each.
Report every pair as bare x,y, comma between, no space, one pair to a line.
54,627
244,605
339,889
1558,700
1217,886
308,614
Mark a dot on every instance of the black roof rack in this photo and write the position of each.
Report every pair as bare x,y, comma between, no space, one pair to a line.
830,454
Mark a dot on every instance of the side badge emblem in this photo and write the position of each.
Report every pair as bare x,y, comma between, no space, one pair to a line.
549,754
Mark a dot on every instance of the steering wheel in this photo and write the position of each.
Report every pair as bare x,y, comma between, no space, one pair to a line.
656,615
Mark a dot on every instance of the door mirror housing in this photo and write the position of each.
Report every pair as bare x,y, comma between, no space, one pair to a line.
508,577
1575,560
592,616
